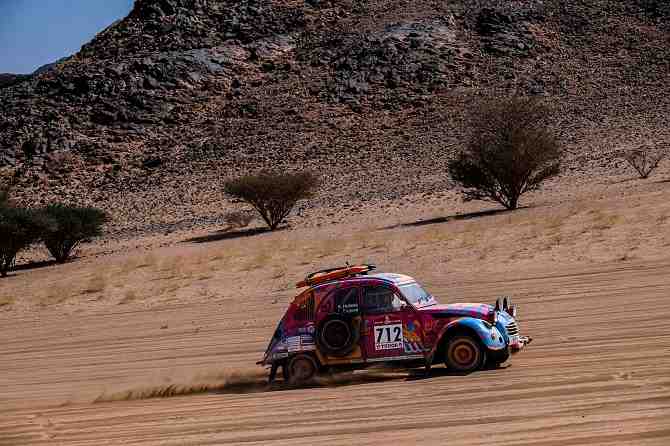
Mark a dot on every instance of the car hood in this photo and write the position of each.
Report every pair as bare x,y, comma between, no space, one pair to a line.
479,311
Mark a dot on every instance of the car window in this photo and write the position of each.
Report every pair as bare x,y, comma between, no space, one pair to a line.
346,301
416,295
381,299
306,309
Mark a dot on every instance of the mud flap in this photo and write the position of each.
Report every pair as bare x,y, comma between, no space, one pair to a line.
273,373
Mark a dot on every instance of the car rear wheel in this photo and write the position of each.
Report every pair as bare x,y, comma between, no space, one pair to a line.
464,354
301,369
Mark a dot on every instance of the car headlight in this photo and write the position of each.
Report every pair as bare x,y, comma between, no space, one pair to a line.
495,334
495,317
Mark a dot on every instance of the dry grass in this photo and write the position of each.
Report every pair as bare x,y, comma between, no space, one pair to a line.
279,273
577,231
128,297
169,288
170,267
56,294
136,263
258,258
96,284
439,234
604,220
330,247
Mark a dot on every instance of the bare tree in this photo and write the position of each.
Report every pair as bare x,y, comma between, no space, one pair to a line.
238,219
645,159
273,195
510,151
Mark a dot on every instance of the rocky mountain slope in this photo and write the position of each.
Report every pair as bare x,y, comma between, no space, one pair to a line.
150,116
9,79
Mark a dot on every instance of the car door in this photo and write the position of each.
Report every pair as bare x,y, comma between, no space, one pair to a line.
387,320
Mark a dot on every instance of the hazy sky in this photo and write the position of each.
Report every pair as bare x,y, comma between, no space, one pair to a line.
38,32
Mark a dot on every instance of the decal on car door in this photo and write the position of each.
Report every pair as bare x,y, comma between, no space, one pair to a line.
389,336
412,335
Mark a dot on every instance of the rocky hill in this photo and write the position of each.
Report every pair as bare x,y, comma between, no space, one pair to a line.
150,116
9,79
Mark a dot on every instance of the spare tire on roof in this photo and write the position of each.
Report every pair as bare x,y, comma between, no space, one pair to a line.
337,334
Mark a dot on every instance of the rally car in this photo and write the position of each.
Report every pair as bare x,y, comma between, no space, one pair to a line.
350,318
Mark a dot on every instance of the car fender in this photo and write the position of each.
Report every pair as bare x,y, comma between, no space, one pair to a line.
487,334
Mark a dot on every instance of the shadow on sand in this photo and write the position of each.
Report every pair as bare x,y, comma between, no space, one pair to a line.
225,234
37,265
31,266
467,216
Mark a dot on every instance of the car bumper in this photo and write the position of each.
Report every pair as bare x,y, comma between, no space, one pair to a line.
498,356
518,343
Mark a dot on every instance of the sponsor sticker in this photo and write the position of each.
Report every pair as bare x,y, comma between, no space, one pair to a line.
307,330
350,308
293,343
413,347
300,343
389,336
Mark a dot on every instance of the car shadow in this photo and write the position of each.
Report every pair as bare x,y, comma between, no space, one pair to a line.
225,234
421,374
338,379
455,217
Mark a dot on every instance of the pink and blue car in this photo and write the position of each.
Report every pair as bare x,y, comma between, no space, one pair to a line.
348,318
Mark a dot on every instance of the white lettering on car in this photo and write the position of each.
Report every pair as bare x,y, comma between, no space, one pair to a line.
388,336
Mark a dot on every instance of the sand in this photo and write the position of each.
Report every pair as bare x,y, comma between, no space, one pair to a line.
154,345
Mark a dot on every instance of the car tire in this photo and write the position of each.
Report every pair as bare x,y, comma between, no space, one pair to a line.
300,370
464,354
337,335
494,359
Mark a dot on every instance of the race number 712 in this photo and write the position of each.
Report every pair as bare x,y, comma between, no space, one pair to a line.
388,337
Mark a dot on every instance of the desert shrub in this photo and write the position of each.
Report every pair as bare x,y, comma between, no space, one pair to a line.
4,197
70,226
238,219
644,159
6,182
510,151
19,228
273,195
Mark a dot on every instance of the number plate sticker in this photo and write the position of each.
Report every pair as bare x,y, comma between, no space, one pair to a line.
388,336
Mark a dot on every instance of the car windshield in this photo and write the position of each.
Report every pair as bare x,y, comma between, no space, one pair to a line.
416,295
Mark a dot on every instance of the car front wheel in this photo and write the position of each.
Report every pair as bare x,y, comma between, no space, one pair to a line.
301,370
464,354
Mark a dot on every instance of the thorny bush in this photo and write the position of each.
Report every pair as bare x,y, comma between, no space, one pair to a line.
510,151
273,195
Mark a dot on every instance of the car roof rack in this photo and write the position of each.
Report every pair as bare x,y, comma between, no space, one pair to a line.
340,272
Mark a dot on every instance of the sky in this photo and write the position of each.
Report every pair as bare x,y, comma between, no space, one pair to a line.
37,32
